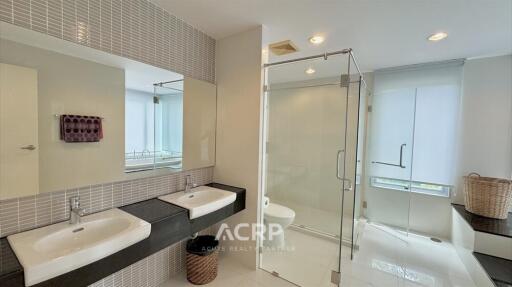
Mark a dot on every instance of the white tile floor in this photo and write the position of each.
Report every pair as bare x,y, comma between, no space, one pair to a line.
299,262
233,274
384,260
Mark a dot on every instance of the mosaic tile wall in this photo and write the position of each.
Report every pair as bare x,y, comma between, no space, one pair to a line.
152,271
24,213
135,29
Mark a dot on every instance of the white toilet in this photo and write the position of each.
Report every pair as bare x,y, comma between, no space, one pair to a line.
276,214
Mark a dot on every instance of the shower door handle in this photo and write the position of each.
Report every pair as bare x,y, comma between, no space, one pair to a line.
401,159
341,151
342,178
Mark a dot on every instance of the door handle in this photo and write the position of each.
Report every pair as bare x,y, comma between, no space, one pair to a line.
401,159
342,178
338,163
28,147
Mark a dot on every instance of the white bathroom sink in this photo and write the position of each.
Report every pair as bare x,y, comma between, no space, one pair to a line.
201,200
56,249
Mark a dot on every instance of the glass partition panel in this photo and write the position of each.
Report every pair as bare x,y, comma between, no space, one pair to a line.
307,158
390,156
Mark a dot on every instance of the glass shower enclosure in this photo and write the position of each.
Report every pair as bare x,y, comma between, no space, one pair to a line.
312,165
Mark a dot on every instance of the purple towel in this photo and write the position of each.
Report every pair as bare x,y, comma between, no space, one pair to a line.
75,128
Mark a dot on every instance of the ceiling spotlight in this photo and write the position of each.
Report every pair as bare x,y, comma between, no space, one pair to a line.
310,71
437,36
316,40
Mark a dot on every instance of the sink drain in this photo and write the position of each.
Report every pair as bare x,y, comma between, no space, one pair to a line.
435,239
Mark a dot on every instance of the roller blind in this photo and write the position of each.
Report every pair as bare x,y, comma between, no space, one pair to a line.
417,107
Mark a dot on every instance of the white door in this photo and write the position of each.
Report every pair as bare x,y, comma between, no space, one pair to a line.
19,156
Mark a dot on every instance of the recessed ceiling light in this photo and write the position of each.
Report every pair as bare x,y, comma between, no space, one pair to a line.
437,36
316,40
309,71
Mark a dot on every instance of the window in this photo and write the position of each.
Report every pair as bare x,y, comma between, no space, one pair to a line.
417,187
414,128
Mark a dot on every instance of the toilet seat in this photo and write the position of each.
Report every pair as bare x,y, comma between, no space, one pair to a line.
278,211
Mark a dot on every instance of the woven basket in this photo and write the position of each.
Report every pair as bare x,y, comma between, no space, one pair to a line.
202,269
487,196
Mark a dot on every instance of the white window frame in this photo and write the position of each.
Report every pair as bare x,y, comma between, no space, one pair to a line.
435,189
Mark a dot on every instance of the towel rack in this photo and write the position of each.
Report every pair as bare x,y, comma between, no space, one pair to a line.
58,116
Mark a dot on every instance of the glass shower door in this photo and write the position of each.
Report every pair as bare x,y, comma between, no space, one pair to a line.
307,163
353,220
381,209
390,152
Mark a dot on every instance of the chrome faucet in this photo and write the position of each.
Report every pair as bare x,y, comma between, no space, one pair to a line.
75,211
188,184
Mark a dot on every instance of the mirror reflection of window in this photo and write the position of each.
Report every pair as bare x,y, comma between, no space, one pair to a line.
154,127
168,127
139,125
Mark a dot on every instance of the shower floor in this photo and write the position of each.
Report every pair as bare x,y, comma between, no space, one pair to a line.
383,260
316,219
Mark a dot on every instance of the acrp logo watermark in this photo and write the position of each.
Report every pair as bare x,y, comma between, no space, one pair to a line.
246,231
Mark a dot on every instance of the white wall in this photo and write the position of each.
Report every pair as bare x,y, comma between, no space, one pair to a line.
239,94
486,120
305,131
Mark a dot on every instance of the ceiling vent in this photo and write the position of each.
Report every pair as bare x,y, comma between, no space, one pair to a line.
283,48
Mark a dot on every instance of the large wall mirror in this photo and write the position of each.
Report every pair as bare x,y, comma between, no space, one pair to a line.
72,116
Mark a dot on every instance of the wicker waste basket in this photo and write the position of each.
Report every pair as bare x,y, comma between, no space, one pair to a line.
202,258
487,196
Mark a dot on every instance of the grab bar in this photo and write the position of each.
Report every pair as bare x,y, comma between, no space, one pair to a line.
401,165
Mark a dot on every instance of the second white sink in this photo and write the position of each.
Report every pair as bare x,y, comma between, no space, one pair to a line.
53,250
201,200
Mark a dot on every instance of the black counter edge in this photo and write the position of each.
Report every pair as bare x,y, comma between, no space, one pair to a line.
499,269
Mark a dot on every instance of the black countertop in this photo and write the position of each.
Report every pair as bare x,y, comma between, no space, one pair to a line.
501,284
169,224
501,227
499,269
10,267
153,210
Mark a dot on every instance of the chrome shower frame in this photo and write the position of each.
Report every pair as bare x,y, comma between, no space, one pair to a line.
360,80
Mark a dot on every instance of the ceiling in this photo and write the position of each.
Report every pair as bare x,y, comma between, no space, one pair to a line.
382,33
